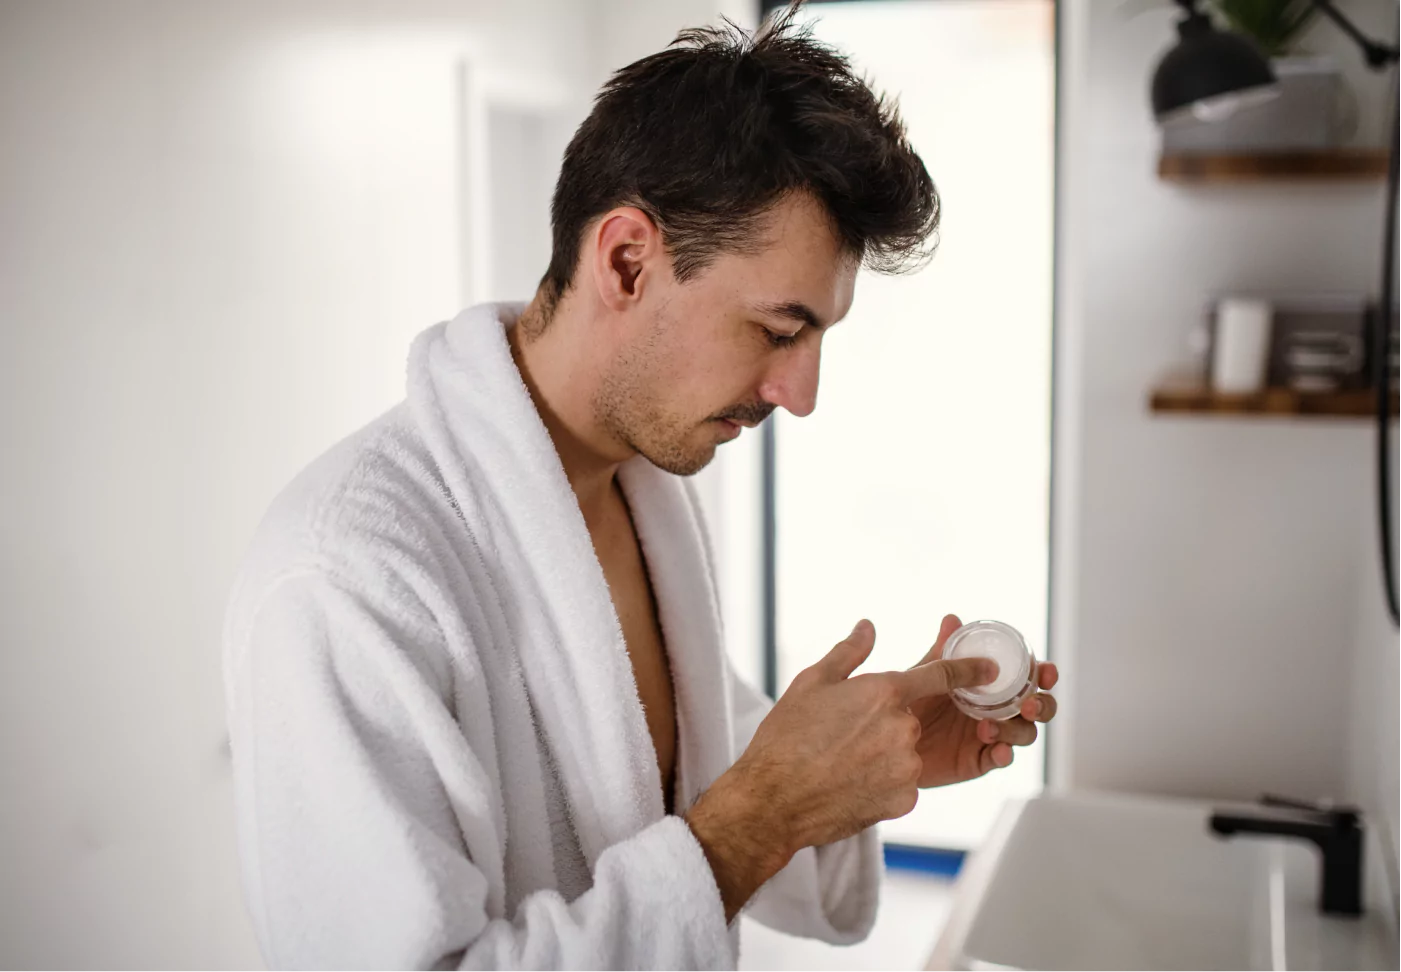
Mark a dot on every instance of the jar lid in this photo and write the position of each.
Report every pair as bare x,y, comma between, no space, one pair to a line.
1004,645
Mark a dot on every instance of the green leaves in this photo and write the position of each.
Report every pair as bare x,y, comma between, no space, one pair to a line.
1272,24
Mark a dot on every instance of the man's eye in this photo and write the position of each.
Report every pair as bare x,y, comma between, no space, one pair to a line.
781,340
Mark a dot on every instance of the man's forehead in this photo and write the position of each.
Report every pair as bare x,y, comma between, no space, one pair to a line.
799,272
817,304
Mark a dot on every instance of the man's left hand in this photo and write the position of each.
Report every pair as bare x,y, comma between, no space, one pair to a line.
956,747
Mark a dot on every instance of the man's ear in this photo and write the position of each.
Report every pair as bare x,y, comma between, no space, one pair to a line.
627,254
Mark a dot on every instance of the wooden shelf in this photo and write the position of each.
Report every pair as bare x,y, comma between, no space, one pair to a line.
1196,399
1337,165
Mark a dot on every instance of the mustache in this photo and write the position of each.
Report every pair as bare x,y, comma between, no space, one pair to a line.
753,414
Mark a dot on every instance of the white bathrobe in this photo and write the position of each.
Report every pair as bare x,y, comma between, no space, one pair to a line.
440,757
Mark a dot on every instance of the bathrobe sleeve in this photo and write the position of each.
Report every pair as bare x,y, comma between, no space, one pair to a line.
829,892
360,799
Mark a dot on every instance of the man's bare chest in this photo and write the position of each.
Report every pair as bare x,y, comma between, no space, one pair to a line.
630,586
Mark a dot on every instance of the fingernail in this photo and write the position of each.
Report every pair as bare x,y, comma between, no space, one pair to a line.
994,731
858,626
990,670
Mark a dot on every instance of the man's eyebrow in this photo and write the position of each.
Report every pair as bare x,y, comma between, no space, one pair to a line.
794,310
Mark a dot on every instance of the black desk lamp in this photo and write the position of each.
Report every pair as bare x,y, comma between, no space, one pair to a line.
1210,74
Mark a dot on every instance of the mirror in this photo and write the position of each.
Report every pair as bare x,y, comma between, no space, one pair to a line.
1389,467
1386,348
1391,455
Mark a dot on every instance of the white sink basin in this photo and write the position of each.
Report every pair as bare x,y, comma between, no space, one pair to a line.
1109,881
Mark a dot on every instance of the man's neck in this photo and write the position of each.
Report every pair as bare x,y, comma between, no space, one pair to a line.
562,377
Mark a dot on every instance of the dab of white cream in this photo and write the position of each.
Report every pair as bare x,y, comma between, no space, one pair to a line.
990,643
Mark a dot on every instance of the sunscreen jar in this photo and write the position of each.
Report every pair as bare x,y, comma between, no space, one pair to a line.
1016,669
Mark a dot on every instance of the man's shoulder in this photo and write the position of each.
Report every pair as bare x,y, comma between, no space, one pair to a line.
356,513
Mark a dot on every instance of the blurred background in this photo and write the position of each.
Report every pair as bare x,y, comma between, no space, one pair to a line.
221,224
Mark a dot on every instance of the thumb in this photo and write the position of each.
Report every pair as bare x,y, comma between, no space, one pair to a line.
847,655
950,625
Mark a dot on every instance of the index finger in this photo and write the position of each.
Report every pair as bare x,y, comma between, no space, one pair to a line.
940,677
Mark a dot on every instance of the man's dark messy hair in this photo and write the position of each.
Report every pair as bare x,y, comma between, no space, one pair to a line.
707,135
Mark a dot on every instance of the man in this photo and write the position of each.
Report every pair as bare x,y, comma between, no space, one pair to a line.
479,703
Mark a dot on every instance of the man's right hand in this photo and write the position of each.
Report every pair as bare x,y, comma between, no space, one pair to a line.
835,755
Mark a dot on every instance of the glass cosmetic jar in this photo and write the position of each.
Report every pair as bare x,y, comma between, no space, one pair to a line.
1016,669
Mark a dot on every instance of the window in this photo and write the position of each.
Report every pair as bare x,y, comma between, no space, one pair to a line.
920,486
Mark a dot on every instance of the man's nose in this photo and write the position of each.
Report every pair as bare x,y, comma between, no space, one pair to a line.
792,382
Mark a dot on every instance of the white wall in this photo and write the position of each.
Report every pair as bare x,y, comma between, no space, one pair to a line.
1207,571
630,29
220,226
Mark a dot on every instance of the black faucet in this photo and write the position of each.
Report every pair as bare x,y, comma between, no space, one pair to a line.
1336,830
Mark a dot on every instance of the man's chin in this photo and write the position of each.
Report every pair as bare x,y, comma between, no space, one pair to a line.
685,461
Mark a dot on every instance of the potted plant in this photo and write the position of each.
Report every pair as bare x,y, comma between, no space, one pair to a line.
1272,24
1306,115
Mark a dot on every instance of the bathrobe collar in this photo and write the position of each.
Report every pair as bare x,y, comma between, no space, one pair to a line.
504,475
